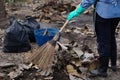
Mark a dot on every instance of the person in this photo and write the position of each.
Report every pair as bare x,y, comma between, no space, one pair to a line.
106,20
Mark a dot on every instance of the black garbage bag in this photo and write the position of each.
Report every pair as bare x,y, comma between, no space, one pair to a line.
30,24
16,38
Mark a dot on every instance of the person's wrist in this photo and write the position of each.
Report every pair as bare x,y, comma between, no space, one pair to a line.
76,12
80,9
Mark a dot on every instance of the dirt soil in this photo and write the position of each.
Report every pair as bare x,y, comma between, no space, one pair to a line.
18,58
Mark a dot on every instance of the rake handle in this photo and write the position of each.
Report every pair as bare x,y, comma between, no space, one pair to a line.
57,35
65,24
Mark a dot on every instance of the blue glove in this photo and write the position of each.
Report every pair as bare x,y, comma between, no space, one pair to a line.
75,13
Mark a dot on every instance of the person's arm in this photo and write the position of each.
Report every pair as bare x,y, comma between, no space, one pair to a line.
80,9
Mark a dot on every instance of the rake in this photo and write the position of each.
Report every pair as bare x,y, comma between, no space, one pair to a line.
43,57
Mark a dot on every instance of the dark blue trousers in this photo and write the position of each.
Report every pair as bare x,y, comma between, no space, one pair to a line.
105,32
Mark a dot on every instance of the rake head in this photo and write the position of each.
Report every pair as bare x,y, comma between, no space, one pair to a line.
44,56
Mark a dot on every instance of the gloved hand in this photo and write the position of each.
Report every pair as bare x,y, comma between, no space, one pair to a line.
75,13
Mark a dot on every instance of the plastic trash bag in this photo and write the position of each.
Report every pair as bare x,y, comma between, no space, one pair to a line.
16,38
30,25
